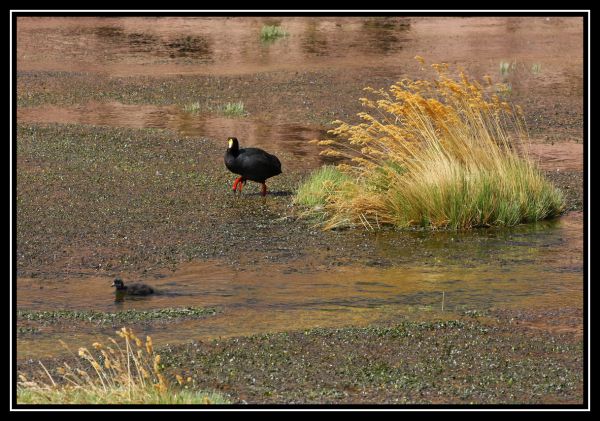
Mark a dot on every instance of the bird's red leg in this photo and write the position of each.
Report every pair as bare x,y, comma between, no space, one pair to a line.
264,189
241,184
236,182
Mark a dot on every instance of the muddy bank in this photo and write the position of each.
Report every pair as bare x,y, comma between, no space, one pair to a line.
314,97
571,184
495,357
102,200
153,206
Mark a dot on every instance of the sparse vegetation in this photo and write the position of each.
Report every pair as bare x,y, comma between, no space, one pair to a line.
442,154
234,109
99,317
507,67
269,33
192,108
130,373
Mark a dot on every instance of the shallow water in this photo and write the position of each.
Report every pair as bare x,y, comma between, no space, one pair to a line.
531,266
273,136
171,46
231,45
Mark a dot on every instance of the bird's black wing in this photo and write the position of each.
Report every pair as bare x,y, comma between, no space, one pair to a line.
256,164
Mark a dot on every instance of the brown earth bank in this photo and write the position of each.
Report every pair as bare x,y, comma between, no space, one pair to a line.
492,357
104,200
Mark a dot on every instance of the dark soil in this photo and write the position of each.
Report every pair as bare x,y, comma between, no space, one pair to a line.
500,357
107,200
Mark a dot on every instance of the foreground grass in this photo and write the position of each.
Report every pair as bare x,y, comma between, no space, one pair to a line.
441,155
130,373
72,395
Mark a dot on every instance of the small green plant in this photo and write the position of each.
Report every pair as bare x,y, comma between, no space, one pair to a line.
507,67
536,68
269,33
192,108
234,109
129,373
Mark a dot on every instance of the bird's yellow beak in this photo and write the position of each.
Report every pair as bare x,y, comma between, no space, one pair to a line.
230,143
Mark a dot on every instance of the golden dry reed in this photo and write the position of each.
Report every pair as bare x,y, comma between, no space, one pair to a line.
445,153
126,373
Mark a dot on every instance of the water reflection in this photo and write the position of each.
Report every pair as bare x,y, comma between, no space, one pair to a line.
314,41
384,35
189,46
225,42
276,137
110,43
534,266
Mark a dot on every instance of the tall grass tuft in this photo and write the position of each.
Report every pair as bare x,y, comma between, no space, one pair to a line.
128,373
447,153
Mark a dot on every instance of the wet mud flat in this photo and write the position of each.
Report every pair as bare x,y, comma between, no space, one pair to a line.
95,200
449,361
86,180
115,177
492,357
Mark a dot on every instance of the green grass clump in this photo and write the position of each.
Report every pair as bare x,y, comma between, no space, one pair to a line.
272,32
230,109
234,109
192,108
127,373
507,67
440,155
320,184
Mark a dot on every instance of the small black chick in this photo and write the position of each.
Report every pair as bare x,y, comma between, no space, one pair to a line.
131,289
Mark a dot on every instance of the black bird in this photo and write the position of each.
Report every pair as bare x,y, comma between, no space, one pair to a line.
131,289
250,164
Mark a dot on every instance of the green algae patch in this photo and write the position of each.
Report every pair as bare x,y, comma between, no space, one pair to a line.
57,316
